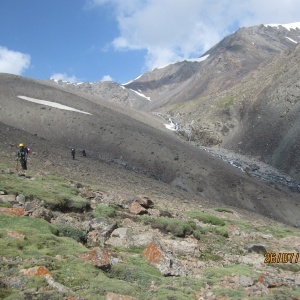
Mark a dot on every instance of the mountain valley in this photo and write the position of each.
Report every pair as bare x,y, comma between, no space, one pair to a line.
152,213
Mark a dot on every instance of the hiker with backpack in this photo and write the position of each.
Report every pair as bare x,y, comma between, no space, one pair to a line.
73,153
23,155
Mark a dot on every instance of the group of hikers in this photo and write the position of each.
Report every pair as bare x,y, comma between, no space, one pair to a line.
73,153
23,152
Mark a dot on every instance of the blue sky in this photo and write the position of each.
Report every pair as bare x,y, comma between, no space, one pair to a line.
95,40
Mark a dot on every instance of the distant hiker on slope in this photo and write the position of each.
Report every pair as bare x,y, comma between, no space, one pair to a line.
83,153
73,153
22,156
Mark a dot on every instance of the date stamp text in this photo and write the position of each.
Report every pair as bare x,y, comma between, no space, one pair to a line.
284,257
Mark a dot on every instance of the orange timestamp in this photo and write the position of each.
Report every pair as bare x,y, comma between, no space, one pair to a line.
284,257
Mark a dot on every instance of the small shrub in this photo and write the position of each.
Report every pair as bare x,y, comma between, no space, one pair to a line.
234,294
206,218
199,232
295,268
104,211
224,210
222,231
69,231
177,227
5,204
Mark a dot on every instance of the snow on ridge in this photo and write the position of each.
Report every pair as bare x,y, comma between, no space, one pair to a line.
142,95
52,104
287,26
132,80
292,40
198,59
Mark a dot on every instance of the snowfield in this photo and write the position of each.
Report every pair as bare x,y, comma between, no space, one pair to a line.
52,104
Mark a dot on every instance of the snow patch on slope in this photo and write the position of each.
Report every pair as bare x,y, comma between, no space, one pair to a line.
141,95
52,104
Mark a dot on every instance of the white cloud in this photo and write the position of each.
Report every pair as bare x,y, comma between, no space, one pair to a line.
13,62
106,78
170,30
64,77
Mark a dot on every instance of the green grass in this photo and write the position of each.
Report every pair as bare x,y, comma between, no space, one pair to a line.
214,274
233,294
206,218
39,239
104,211
277,231
52,190
221,209
225,102
178,227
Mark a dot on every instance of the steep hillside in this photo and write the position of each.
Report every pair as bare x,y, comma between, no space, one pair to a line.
258,117
107,90
222,66
110,136
84,229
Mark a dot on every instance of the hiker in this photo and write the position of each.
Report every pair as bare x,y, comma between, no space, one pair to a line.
22,156
83,153
73,153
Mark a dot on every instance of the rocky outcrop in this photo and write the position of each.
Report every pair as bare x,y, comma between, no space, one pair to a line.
164,262
114,296
101,258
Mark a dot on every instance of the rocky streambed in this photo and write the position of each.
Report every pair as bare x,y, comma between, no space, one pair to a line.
256,168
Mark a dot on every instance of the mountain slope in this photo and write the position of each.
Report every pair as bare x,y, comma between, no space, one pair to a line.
224,65
110,136
258,117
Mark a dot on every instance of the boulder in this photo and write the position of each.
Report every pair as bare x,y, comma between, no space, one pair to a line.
137,209
102,229
120,237
20,198
164,262
30,206
125,200
245,281
145,201
56,285
12,211
257,248
133,237
183,247
103,226
100,258
113,296
72,219
15,235
42,213
8,198
35,271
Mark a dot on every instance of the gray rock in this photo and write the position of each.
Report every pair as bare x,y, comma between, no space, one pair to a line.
164,262
257,248
245,281
103,227
8,198
21,199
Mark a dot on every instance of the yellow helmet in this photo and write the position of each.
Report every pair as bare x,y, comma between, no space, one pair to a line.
21,145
